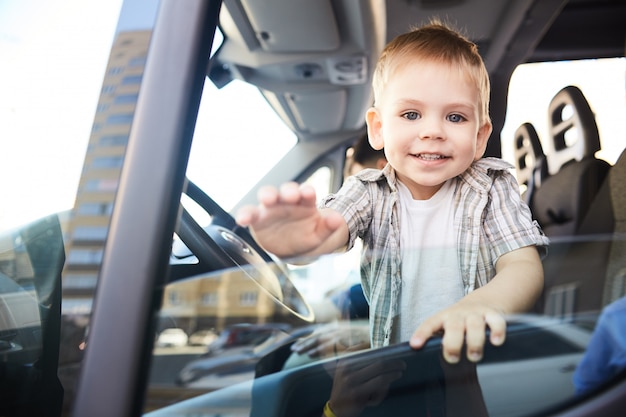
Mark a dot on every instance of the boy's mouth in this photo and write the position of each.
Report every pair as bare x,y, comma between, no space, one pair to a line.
430,156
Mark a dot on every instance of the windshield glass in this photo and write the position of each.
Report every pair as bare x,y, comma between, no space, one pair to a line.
544,346
232,330
238,139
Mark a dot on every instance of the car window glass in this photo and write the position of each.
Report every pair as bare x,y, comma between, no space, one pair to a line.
237,139
320,180
534,85
510,379
222,336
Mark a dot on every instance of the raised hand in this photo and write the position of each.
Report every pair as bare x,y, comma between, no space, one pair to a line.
288,223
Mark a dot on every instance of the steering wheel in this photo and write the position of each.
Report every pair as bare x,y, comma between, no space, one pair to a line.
223,244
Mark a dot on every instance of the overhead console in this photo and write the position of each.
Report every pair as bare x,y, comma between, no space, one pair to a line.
313,64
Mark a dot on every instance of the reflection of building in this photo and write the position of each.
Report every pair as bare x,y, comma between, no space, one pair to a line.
88,227
215,302
220,299
103,162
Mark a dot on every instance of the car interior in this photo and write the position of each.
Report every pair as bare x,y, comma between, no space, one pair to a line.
312,63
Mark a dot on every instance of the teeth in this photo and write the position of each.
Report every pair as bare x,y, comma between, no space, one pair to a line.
430,157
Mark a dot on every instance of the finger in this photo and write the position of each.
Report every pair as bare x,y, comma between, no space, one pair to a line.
425,331
362,374
307,194
267,195
497,328
453,339
247,215
358,346
332,219
475,337
304,345
289,193
376,388
326,347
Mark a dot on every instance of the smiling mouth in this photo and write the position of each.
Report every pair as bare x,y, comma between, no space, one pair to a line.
430,156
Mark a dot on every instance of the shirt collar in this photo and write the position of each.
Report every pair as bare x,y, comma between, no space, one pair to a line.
477,175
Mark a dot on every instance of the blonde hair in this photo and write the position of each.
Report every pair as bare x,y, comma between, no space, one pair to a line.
438,42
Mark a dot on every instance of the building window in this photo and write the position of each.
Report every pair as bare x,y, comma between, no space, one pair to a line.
131,79
125,99
174,298
106,185
139,61
102,108
76,306
107,162
120,119
95,209
115,70
209,299
113,140
79,281
84,256
248,298
108,89
90,233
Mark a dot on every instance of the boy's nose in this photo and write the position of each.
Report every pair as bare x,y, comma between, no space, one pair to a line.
431,128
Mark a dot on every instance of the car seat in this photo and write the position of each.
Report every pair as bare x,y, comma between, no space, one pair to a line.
588,271
531,165
563,198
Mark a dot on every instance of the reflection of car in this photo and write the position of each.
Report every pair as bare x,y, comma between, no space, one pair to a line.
288,84
508,377
172,337
234,364
509,384
202,338
245,335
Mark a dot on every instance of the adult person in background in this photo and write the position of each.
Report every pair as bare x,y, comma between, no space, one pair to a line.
605,357
361,155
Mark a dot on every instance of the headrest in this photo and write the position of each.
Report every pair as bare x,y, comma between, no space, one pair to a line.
572,128
529,156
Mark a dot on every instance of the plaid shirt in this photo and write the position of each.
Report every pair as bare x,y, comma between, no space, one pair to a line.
489,215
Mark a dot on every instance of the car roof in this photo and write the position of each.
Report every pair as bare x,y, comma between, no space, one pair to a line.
293,51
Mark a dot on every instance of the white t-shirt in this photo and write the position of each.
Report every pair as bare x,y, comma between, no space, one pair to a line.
431,279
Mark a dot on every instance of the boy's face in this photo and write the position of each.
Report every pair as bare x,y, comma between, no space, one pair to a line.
427,119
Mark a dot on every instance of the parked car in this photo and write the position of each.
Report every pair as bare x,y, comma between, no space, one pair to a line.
245,335
234,364
202,338
198,104
172,337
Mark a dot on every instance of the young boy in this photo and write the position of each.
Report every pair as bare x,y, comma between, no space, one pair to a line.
449,245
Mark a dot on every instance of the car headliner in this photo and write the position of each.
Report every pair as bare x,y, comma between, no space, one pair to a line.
289,52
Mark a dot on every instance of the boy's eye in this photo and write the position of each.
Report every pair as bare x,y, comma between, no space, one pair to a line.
411,115
455,118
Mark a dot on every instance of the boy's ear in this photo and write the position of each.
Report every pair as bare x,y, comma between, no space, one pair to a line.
374,128
481,140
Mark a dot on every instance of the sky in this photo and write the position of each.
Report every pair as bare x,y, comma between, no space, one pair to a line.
54,54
